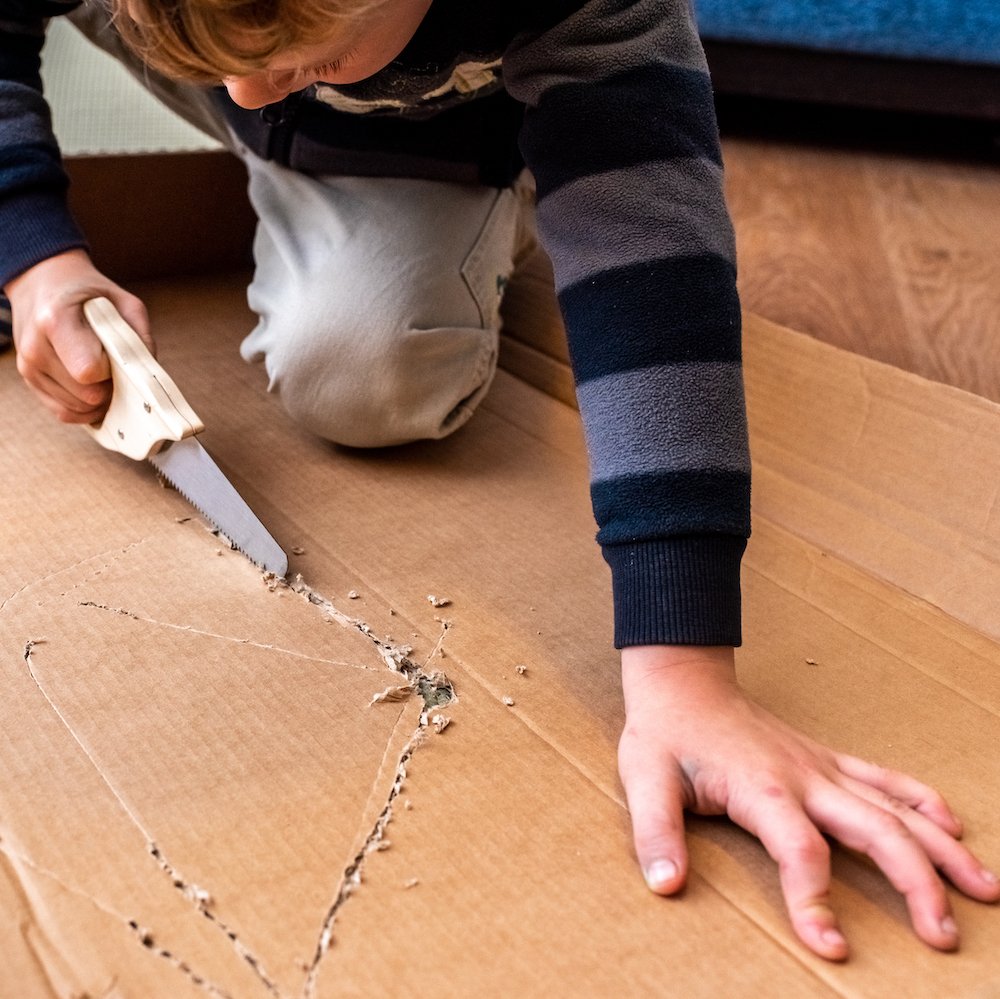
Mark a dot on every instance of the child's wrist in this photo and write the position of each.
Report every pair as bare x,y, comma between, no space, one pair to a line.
681,667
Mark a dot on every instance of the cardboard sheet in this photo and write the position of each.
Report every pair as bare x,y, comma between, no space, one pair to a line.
198,796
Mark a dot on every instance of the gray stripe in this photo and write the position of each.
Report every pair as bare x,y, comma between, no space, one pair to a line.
665,419
603,38
644,212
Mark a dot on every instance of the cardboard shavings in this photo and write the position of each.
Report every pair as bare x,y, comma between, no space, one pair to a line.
223,538
435,689
197,895
296,550
437,601
508,700
521,670
144,935
353,594
145,938
411,883
811,662
395,657
202,899
440,722
181,520
353,873
393,694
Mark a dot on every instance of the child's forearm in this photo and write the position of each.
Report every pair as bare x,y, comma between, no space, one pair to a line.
34,218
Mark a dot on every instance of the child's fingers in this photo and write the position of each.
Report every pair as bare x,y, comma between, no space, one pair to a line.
70,408
904,788
865,827
78,350
44,372
655,795
803,858
945,852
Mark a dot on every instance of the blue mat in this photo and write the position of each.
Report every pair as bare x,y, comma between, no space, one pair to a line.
949,30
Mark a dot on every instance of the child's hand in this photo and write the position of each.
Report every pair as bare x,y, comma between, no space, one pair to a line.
58,354
693,740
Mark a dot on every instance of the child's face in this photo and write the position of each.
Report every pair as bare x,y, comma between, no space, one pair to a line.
352,54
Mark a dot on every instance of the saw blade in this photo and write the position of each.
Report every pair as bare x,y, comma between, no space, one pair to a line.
188,467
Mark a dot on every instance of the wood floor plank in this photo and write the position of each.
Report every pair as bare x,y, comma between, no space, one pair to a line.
891,256
809,248
940,226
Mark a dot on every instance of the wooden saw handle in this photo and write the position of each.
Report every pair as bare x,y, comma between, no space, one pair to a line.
147,409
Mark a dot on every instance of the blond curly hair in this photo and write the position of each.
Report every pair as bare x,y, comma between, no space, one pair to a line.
203,41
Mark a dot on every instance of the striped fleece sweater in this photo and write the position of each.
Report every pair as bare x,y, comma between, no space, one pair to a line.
609,104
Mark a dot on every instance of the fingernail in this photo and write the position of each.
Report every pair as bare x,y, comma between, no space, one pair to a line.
988,876
833,937
949,926
660,873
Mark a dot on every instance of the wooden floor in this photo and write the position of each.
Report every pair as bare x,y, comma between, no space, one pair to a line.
893,256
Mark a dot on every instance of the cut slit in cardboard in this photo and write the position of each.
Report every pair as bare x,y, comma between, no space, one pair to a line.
201,793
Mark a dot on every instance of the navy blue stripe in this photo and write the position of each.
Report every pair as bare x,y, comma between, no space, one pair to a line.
28,152
670,311
36,226
651,113
668,504
30,164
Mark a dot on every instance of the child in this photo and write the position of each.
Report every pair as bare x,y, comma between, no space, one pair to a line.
380,137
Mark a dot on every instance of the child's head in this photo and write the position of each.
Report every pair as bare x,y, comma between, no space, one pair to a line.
284,45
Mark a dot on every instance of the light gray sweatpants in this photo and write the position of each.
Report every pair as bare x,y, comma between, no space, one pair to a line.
377,299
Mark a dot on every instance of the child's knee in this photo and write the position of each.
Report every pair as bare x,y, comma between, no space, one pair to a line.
364,386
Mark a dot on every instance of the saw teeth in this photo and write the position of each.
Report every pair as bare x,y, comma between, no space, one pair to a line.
194,458
216,530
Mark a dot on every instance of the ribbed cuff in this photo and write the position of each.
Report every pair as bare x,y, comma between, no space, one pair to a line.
36,225
679,591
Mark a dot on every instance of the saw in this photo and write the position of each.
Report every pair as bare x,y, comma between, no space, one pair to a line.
149,418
